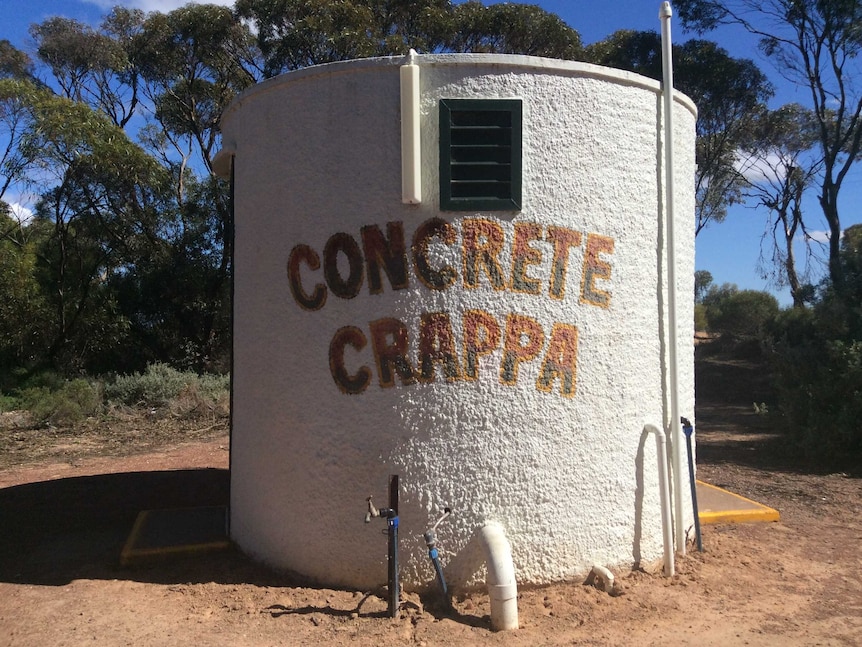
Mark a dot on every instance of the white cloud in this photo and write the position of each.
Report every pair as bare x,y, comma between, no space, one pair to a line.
162,6
21,213
821,236
756,170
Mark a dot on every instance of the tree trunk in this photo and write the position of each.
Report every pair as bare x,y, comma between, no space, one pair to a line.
829,204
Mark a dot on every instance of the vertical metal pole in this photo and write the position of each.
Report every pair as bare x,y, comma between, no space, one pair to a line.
688,430
392,525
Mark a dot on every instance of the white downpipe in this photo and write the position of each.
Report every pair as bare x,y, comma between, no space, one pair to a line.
502,587
411,162
664,495
665,14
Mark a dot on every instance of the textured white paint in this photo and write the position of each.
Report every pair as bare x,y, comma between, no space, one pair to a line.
573,481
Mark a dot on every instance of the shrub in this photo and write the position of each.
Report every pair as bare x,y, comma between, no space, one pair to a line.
819,387
739,313
9,403
160,384
701,323
66,405
154,387
818,360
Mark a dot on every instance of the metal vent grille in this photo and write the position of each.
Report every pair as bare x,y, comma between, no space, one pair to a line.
480,154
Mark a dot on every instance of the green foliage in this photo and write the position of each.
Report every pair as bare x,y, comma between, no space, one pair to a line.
817,355
160,384
23,304
293,34
702,283
512,28
66,405
741,314
13,62
9,402
701,322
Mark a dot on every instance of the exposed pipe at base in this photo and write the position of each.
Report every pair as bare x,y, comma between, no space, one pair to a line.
664,494
502,586
604,576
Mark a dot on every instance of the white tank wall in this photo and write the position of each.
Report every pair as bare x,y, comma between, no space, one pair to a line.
572,479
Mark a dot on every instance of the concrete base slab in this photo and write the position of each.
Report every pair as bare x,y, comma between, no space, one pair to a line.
717,505
176,531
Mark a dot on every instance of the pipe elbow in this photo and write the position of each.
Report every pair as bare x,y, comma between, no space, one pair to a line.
502,585
604,576
652,429
665,495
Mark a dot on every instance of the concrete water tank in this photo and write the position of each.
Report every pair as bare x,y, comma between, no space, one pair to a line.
500,345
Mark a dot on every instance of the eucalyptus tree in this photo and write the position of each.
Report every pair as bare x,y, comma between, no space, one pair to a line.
512,28
22,307
815,44
100,199
293,34
14,63
16,81
159,234
94,65
778,166
192,61
726,90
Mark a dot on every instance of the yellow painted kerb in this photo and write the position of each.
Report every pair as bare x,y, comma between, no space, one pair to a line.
735,509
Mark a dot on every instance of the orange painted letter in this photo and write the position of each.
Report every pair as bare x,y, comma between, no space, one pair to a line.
482,242
389,340
561,361
348,383
519,328
481,336
596,268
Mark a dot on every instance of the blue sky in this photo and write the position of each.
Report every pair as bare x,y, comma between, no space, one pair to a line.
730,250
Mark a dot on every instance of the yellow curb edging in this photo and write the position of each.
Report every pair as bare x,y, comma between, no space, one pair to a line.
131,555
755,512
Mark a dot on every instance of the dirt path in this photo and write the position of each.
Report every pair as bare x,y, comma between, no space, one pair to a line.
792,583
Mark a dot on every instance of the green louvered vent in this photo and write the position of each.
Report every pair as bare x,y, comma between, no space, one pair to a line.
480,154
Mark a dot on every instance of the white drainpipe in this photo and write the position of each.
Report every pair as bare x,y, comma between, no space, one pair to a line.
664,494
675,429
502,587
411,150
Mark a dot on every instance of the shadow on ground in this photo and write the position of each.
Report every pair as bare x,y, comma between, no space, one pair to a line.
74,528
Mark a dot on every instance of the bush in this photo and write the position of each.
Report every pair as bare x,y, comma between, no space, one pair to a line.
9,403
819,388
817,355
701,323
739,313
73,401
160,384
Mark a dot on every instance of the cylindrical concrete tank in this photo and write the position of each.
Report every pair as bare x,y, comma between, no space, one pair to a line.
501,357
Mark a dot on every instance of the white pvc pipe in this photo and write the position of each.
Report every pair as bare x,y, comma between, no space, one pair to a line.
665,14
606,577
411,171
502,586
664,495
